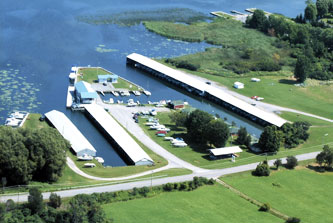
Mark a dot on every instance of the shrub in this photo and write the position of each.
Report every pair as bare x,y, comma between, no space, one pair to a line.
265,207
293,220
168,187
54,200
261,170
291,162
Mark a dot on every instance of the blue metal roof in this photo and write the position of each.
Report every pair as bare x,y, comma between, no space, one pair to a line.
80,87
88,95
107,76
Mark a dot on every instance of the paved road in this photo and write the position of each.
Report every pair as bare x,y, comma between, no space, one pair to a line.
124,116
126,186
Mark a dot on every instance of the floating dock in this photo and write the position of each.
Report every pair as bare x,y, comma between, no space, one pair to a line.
70,93
68,130
118,136
209,92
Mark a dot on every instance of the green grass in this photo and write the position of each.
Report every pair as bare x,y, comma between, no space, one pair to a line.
236,41
123,84
206,204
294,117
199,158
90,74
302,193
32,122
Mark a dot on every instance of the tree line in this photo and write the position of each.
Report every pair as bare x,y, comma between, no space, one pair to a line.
310,38
27,155
83,207
289,135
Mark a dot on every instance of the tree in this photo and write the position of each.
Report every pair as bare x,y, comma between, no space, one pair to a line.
310,12
243,137
301,68
258,20
197,125
278,163
322,7
270,139
35,201
218,132
262,169
325,157
292,162
179,118
54,200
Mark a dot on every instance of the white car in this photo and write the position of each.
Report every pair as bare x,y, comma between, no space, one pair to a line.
163,129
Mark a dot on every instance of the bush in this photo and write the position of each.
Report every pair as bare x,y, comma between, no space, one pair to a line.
293,220
265,207
54,200
292,162
261,170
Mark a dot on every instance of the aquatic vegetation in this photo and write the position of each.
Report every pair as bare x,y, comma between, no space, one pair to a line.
15,92
130,18
101,49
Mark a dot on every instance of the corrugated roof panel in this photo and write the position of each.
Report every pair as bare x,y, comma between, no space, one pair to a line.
124,140
69,131
226,150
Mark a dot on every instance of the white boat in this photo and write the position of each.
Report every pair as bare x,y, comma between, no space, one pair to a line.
136,93
115,93
120,102
125,93
175,141
13,122
157,126
110,101
163,129
152,112
180,144
168,138
89,165
150,123
99,159
18,115
131,104
85,157
138,102
147,93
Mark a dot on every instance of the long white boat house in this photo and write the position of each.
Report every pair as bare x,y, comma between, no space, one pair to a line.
68,130
198,87
119,137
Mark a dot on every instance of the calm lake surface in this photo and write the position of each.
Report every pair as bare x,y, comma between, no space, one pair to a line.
40,40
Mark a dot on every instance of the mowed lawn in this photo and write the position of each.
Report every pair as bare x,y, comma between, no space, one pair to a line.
303,193
206,204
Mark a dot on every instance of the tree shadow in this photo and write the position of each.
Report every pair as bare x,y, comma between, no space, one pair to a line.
174,127
319,169
288,81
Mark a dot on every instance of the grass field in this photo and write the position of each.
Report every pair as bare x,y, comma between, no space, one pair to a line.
206,204
198,158
302,193
293,117
32,122
90,75
243,49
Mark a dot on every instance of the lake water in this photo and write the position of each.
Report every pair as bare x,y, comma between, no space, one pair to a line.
40,40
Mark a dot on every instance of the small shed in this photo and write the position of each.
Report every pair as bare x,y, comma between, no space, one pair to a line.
238,85
176,104
224,152
107,78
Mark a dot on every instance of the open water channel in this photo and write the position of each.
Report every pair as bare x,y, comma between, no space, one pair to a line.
40,40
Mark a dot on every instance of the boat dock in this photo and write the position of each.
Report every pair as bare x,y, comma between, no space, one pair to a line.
251,10
237,12
68,130
209,92
125,144
70,93
221,14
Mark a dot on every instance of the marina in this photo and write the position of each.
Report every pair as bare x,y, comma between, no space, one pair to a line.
16,119
209,92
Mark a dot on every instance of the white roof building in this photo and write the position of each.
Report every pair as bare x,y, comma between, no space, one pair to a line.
225,151
133,151
68,130
238,85
208,89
